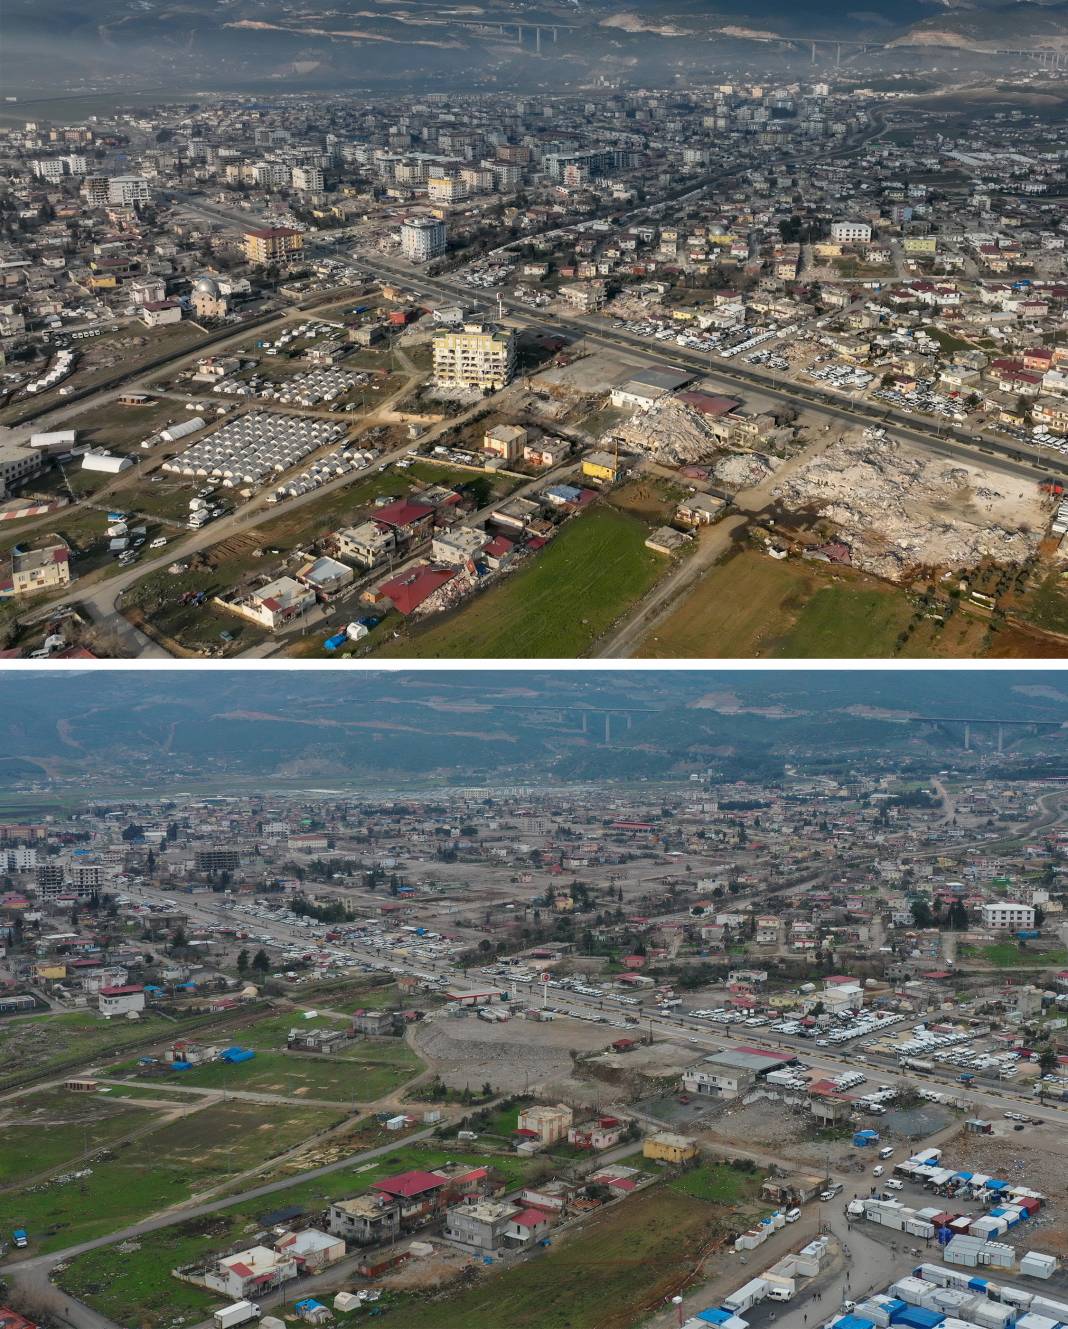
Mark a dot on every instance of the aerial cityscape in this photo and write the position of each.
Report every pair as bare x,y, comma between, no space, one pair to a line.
655,333
593,1000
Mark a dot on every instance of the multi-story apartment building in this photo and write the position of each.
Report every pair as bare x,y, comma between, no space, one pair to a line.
126,191
272,244
422,238
477,355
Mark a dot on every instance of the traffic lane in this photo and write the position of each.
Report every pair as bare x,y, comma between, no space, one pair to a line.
1027,460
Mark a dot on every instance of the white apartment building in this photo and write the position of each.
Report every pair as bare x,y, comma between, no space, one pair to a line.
20,859
422,238
1008,916
850,233
478,355
50,168
126,191
308,178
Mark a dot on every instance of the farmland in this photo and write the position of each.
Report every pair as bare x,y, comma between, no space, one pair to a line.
598,561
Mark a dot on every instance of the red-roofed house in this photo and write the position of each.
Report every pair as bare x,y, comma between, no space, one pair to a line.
409,590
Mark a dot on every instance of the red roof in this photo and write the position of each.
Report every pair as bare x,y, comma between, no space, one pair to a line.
410,590
403,512
499,546
530,1218
709,403
408,1184
121,992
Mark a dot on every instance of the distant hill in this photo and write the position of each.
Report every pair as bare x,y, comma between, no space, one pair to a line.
284,45
145,729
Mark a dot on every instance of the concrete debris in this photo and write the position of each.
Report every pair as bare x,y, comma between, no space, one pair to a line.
670,432
899,508
743,470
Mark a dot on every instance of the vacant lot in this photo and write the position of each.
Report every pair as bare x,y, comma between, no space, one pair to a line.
720,1182
135,1287
559,605
195,1151
1008,955
361,1074
752,606
48,1129
607,1276
48,1040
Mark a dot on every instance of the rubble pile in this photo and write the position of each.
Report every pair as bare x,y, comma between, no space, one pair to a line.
670,432
743,470
899,508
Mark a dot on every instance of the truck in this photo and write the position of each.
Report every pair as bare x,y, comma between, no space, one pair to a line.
238,1313
21,1238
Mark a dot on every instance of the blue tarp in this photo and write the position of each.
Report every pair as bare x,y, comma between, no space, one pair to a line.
310,1304
181,1065
236,1054
997,1213
918,1317
993,1185
854,1322
979,1284
715,1315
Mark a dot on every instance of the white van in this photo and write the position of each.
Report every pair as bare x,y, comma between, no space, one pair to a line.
887,1151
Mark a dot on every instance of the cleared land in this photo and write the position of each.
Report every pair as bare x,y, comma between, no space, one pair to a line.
51,1040
135,1287
559,605
187,1155
50,1128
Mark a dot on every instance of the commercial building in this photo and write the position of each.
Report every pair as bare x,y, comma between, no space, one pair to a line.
850,232
272,244
125,1000
478,355
422,239
16,465
1008,915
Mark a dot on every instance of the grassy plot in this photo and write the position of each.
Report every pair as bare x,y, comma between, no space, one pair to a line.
720,1182
558,605
195,1151
608,1276
48,1129
1007,955
752,606
49,1040
304,1075
136,1288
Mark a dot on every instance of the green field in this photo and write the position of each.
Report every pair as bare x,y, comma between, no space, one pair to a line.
558,605
187,1155
1007,955
1049,604
846,621
612,1274
136,1288
751,606
365,1070
47,1129
720,1182
48,1040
